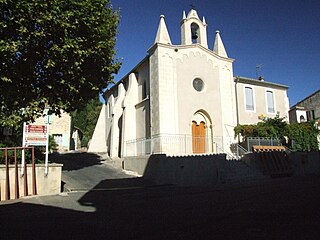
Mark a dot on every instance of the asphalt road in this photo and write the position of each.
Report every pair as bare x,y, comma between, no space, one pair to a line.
122,206
83,171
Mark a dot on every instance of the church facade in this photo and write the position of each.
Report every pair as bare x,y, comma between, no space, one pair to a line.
183,99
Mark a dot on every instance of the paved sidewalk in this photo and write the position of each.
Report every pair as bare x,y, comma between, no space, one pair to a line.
83,171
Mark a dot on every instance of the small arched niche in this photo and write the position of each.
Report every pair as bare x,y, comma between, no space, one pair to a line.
302,119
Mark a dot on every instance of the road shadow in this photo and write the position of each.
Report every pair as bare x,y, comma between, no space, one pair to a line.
33,221
75,160
136,209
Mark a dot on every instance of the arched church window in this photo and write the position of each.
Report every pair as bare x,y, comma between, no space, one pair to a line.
109,110
194,33
144,89
198,84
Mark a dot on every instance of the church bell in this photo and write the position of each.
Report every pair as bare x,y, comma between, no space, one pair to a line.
194,34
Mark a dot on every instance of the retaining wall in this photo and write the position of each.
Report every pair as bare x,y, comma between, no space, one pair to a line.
305,163
213,169
192,170
136,164
46,185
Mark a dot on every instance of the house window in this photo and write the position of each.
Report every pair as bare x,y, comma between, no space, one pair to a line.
270,102
310,115
249,99
58,139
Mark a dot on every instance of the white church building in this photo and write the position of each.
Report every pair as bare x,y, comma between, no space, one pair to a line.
183,99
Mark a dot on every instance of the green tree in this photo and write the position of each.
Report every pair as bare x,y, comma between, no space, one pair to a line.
86,119
269,127
277,126
303,136
56,53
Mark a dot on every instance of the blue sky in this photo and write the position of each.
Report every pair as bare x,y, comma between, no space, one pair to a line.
283,36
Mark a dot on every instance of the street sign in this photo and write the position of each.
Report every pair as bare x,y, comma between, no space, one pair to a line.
36,135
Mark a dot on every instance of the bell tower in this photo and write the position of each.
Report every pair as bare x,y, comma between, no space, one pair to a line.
193,30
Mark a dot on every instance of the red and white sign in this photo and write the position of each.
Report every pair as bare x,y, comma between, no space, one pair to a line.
36,128
36,135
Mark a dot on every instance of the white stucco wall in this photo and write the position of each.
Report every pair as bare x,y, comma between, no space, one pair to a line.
129,124
177,100
98,143
142,104
116,123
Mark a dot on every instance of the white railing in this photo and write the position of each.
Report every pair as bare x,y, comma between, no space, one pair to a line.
260,141
238,151
174,145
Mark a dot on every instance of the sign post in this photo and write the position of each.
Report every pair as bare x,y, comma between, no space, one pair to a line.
47,121
36,135
23,145
47,152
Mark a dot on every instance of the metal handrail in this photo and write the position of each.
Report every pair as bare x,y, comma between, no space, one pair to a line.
24,166
262,141
244,151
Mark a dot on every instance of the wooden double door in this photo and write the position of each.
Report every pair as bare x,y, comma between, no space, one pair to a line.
198,137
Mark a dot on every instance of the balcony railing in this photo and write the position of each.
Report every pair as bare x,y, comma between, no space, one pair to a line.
261,141
174,145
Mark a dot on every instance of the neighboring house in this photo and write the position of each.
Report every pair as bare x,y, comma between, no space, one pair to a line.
257,99
60,129
183,99
307,109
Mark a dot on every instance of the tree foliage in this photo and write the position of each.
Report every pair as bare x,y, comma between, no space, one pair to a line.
86,119
269,127
299,136
56,53
303,136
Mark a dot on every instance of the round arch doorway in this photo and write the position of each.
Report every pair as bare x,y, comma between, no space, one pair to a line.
200,134
198,137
